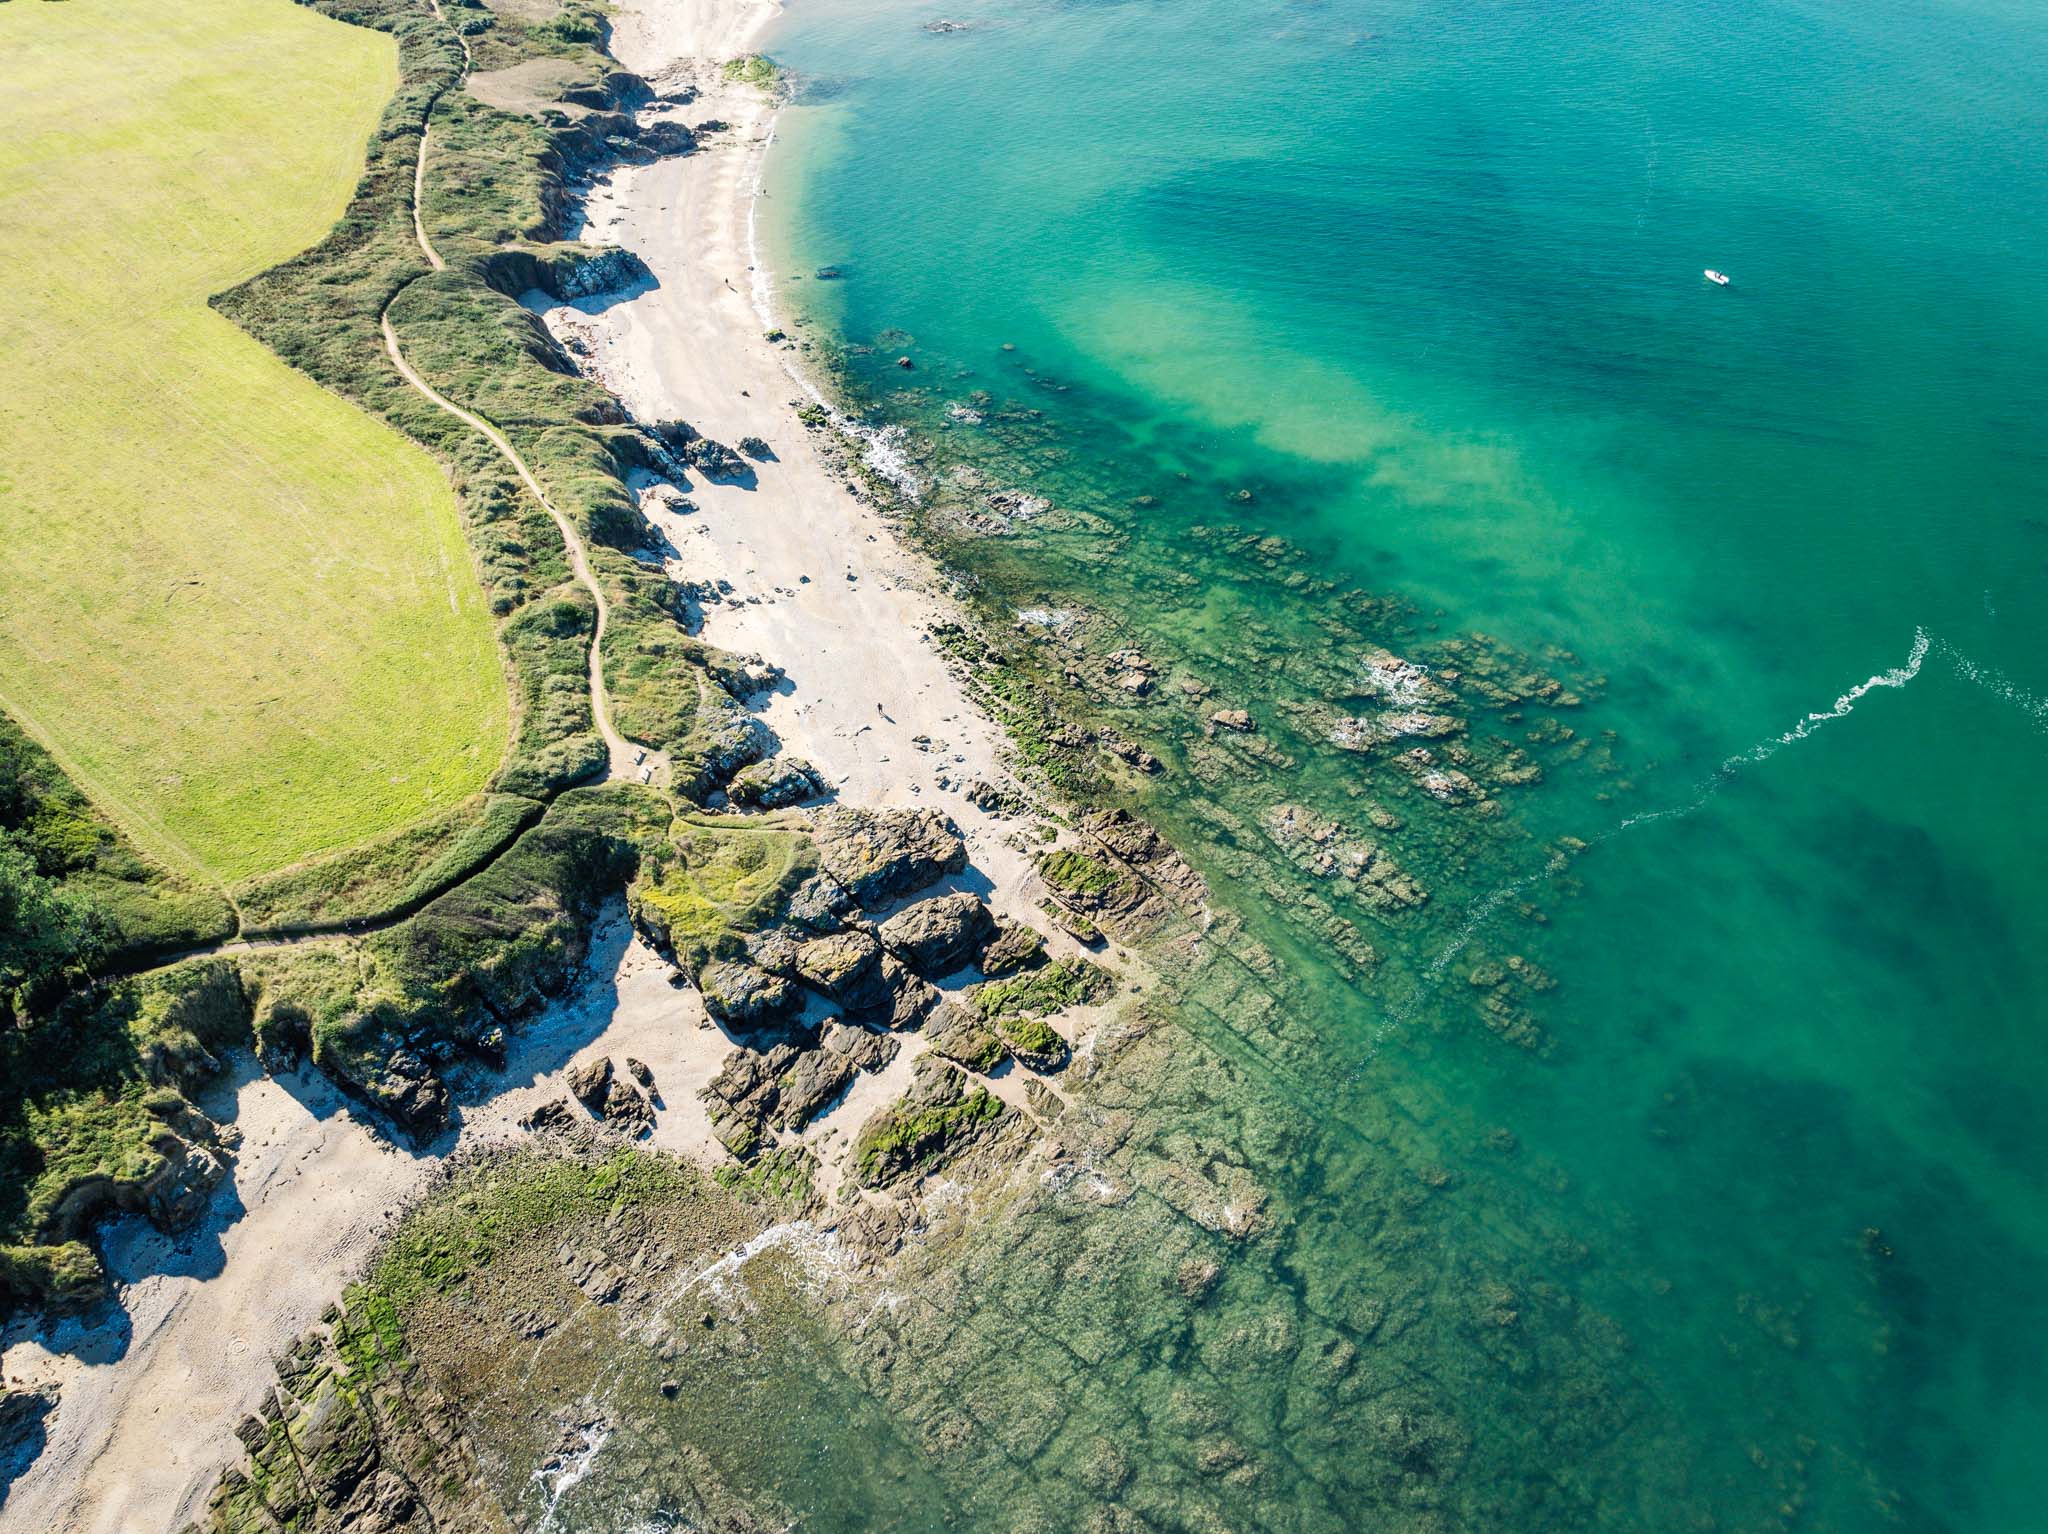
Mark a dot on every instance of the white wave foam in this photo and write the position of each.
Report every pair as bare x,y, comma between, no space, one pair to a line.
1845,705
560,1474
1997,683
818,1252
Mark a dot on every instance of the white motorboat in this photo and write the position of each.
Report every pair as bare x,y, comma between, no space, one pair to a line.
1719,279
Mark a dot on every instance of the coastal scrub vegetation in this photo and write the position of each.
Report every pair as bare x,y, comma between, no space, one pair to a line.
753,69
74,890
704,886
95,1117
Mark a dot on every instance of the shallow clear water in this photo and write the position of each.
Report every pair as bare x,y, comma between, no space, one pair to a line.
1425,280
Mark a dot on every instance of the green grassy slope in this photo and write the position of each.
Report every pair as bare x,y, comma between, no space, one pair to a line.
238,610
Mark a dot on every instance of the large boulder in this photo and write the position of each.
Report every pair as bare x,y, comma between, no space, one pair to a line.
590,1081
862,1048
882,855
177,1193
816,1077
605,272
820,904
746,1090
847,967
714,460
412,1094
911,996
1014,949
743,994
775,783
626,1107
936,935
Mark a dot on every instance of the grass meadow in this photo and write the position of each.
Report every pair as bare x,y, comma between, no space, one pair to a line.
237,609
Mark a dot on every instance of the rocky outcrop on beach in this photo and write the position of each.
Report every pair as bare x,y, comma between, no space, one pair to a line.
845,968
937,935
743,994
607,271
776,783
936,1121
354,1437
879,855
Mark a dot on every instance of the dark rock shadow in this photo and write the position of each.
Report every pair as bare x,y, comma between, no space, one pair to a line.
551,1038
23,1432
597,303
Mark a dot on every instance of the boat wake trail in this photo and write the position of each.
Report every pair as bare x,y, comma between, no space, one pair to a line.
1482,909
1845,705
1997,683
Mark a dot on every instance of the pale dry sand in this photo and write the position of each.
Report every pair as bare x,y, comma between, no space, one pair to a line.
865,682
144,1424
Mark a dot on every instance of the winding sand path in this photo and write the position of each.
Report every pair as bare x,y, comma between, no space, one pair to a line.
625,757
624,754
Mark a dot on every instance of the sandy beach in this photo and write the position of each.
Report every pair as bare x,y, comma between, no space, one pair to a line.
821,587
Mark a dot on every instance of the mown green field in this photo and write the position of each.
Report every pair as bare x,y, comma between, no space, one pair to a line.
237,609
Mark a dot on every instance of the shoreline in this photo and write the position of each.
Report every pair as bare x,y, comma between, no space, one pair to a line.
824,586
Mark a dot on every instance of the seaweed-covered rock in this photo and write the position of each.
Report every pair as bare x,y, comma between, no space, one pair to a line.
742,994
754,447
966,1040
1013,949
1033,1041
847,967
880,855
775,783
936,1120
936,935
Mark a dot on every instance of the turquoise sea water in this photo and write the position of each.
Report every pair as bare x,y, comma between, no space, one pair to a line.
1425,280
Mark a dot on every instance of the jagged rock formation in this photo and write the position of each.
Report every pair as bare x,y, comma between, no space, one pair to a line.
879,855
